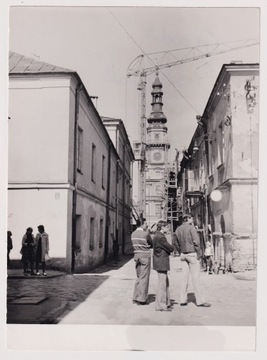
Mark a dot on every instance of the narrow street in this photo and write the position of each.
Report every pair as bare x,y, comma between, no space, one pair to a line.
104,296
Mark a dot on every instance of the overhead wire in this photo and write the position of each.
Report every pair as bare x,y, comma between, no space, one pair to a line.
147,54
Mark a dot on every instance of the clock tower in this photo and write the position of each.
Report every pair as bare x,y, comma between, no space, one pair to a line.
157,148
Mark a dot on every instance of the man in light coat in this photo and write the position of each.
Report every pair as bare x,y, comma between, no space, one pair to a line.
42,249
189,248
142,243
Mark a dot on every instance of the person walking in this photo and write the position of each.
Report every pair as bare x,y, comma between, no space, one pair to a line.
9,246
161,263
115,248
142,244
208,257
27,251
42,249
189,246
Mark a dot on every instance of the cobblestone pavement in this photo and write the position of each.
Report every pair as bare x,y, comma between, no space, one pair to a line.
105,297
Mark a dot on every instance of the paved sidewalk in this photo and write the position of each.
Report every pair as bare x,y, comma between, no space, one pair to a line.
233,299
18,274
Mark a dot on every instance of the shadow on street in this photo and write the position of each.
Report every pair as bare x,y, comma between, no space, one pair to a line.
111,265
59,294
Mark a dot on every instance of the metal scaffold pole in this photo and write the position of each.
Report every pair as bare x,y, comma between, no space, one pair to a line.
142,164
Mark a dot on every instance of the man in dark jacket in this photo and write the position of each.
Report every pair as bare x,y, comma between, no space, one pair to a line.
189,248
161,263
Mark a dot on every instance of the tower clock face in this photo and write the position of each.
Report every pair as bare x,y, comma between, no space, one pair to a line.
157,156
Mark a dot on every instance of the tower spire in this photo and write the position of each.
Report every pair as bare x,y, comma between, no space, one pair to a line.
157,115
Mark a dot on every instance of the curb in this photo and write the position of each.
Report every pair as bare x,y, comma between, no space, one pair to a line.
51,317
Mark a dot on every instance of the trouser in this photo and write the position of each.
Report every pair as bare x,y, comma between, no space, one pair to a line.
25,265
209,262
142,266
163,291
191,264
37,266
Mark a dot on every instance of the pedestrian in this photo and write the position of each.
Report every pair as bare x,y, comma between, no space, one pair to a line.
208,257
142,244
9,246
116,249
161,263
27,250
189,245
42,249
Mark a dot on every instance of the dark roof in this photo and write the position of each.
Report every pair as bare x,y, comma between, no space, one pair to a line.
20,64
157,82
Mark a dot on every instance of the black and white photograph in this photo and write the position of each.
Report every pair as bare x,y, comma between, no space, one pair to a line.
132,176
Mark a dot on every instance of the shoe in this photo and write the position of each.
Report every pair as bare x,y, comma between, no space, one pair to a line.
183,304
141,303
135,301
168,309
44,274
37,273
205,304
25,274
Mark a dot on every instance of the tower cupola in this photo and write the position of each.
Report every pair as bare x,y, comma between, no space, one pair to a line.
156,115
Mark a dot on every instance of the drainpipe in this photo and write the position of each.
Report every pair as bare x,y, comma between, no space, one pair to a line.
117,201
117,185
123,202
107,205
74,196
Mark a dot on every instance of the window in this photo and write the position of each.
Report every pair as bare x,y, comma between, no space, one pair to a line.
103,171
92,233
93,162
101,233
211,161
220,144
80,149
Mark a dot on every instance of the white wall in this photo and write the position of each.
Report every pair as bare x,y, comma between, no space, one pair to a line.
245,130
245,208
38,130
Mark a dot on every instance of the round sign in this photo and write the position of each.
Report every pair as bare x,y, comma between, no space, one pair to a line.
216,195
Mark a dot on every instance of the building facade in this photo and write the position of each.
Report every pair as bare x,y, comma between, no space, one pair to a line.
123,193
219,172
157,166
62,165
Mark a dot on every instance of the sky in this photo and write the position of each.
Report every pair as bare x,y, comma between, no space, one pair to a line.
99,43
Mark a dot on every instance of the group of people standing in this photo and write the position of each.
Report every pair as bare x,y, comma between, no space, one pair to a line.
34,250
188,247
